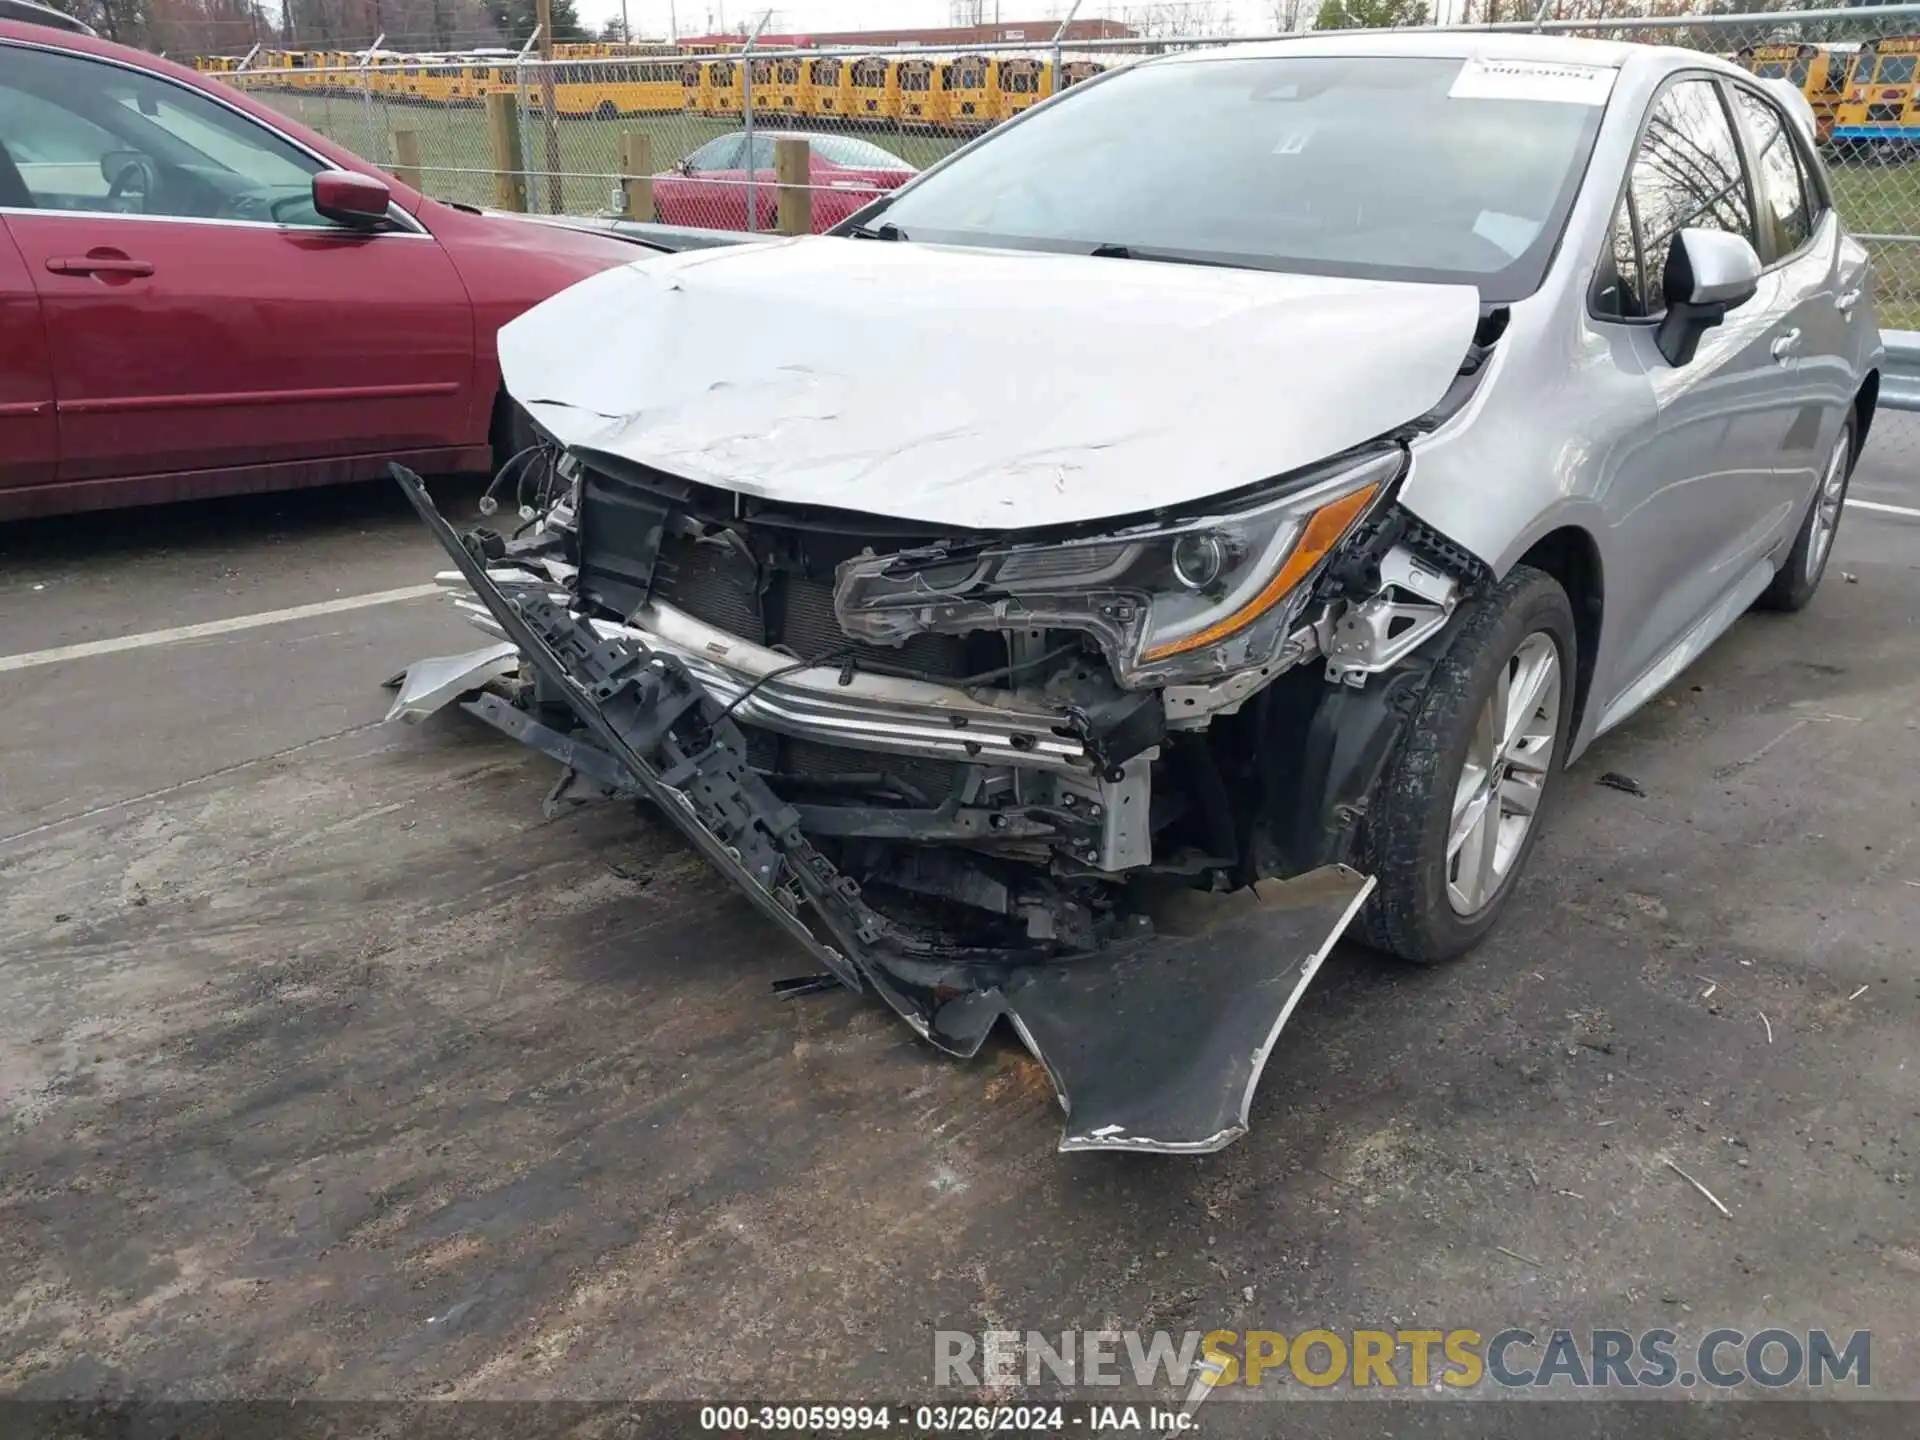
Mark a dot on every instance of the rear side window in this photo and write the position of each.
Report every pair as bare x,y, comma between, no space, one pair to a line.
1785,196
1686,175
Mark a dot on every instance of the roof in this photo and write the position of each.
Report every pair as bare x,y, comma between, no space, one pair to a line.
1440,44
28,13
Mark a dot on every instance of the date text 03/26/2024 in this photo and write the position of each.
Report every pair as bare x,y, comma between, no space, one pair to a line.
943,1419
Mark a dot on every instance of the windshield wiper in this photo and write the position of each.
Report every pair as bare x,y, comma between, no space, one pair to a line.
888,231
1112,251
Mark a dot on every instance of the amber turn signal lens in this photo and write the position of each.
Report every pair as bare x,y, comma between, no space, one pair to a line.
1326,529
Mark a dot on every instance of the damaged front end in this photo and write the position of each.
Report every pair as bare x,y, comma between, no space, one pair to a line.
1091,780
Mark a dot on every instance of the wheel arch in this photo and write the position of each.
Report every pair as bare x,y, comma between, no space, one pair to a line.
1866,400
1571,555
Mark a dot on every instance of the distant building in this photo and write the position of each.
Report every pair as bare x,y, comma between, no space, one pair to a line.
949,37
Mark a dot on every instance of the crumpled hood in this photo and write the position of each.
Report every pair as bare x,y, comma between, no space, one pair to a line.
974,388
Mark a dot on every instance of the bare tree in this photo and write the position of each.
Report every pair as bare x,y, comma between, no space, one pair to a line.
1287,18
1163,18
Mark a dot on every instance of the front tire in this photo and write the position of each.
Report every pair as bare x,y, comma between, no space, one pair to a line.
1797,580
1455,815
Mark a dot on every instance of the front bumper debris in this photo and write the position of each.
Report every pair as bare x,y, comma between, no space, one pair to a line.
1154,1043
429,685
868,712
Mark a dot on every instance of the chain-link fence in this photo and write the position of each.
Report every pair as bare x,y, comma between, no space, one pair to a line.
784,140
787,140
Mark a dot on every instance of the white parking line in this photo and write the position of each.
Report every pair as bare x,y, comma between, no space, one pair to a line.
206,628
1884,509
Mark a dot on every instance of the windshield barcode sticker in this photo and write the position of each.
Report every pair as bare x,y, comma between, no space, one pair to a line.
1533,80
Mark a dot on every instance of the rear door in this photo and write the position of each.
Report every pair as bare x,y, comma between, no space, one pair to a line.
1819,291
26,368
1694,509
201,314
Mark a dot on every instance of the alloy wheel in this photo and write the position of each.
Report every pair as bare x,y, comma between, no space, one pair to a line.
1505,774
1827,505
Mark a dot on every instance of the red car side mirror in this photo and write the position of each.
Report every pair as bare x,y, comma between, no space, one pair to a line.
348,198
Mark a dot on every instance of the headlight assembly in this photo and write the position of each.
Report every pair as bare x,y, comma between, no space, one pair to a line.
1175,601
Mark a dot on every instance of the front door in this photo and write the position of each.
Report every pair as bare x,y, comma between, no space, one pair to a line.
26,371
202,315
1694,508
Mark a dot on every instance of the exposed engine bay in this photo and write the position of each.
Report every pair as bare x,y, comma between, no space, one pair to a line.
985,774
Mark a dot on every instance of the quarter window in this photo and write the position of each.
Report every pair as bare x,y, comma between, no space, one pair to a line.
1781,181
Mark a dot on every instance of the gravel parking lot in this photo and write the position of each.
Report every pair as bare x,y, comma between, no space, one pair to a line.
330,1069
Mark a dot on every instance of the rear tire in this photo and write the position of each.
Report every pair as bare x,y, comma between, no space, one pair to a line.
1799,577
1456,813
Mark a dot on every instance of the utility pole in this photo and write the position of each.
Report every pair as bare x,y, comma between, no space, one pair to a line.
548,121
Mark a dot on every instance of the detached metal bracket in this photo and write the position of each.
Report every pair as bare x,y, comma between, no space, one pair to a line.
674,744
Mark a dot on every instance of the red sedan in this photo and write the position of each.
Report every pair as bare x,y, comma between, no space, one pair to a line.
709,188
200,297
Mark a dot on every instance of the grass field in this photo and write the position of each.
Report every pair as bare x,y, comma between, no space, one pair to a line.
457,164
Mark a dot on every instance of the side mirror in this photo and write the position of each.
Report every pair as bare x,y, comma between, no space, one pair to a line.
1709,272
349,198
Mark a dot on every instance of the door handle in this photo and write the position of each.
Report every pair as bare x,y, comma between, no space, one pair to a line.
1786,345
1846,300
98,265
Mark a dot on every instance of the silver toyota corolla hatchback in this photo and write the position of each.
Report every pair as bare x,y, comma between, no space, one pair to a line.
1207,510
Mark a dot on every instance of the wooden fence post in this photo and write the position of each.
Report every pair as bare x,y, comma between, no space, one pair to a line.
503,133
793,174
636,175
406,157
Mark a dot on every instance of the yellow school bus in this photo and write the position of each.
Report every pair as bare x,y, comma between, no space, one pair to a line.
607,88
1819,72
724,89
969,86
1072,72
923,101
874,83
696,88
766,100
1018,83
1878,111
830,89
792,88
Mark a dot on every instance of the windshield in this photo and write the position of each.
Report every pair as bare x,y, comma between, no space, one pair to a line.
855,154
1376,167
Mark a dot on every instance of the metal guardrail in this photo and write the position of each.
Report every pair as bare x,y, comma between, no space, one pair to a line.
1900,381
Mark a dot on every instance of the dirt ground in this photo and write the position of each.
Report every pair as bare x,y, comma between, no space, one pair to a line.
329,1068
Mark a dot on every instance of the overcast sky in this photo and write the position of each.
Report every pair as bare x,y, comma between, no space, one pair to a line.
651,17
